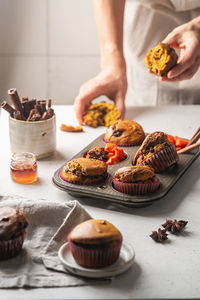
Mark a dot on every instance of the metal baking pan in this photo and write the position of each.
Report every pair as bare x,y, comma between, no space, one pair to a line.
105,191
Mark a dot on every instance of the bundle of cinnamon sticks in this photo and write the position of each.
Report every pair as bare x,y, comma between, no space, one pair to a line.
192,143
27,110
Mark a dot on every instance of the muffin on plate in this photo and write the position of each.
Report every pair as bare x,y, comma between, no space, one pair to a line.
157,152
101,114
135,180
84,171
12,230
161,59
125,133
95,243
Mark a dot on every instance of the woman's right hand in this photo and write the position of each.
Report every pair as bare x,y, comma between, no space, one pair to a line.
111,82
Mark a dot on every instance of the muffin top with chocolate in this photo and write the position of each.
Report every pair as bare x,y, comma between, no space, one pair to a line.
12,223
86,167
132,174
125,132
152,144
84,170
94,232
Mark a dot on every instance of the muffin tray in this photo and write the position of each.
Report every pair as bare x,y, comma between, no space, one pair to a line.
105,190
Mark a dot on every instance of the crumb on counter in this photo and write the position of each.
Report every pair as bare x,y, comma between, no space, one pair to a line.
69,128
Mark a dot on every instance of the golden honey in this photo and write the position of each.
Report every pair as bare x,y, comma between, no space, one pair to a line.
23,168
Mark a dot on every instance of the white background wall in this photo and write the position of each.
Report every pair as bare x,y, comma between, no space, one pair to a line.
47,48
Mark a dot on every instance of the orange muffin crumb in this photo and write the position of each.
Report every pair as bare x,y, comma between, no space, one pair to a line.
69,128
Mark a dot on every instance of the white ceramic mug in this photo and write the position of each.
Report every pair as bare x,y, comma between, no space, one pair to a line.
36,137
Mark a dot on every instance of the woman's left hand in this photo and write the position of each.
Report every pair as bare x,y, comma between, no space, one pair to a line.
186,38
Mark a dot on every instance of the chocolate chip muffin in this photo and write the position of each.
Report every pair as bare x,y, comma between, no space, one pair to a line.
95,243
157,152
12,230
101,114
135,180
161,59
125,133
84,171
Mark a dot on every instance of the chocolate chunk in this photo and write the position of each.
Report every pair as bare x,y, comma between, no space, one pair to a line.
117,133
151,150
74,171
165,144
5,219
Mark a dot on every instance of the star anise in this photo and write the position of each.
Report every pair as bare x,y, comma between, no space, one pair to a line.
159,236
174,226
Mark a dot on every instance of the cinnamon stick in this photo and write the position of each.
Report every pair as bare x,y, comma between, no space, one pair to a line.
15,100
188,148
35,117
18,116
38,108
50,112
43,105
194,138
7,107
49,103
44,116
32,112
24,99
32,103
26,108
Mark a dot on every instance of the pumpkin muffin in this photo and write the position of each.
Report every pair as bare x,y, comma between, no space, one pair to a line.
12,230
95,243
84,171
125,133
157,152
135,180
101,114
161,59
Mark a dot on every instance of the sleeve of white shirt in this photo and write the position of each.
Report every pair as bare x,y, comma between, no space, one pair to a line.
183,5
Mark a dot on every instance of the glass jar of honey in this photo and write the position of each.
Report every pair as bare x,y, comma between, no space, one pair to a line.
23,167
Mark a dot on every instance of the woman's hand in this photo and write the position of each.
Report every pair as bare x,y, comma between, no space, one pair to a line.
186,38
111,82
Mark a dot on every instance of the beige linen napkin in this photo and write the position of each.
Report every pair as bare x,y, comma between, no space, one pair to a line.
49,224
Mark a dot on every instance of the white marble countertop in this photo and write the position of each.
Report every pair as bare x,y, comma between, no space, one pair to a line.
169,271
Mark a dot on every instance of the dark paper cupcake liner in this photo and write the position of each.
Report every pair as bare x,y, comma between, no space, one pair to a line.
11,248
136,188
97,257
162,160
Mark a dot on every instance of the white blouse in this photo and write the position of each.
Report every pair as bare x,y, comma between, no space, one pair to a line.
146,23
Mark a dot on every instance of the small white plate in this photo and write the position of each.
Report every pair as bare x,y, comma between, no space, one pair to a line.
123,263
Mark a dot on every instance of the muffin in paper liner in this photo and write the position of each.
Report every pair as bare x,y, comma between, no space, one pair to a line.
12,247
95,256
136,188
101,179
84,171
162,160
125,145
